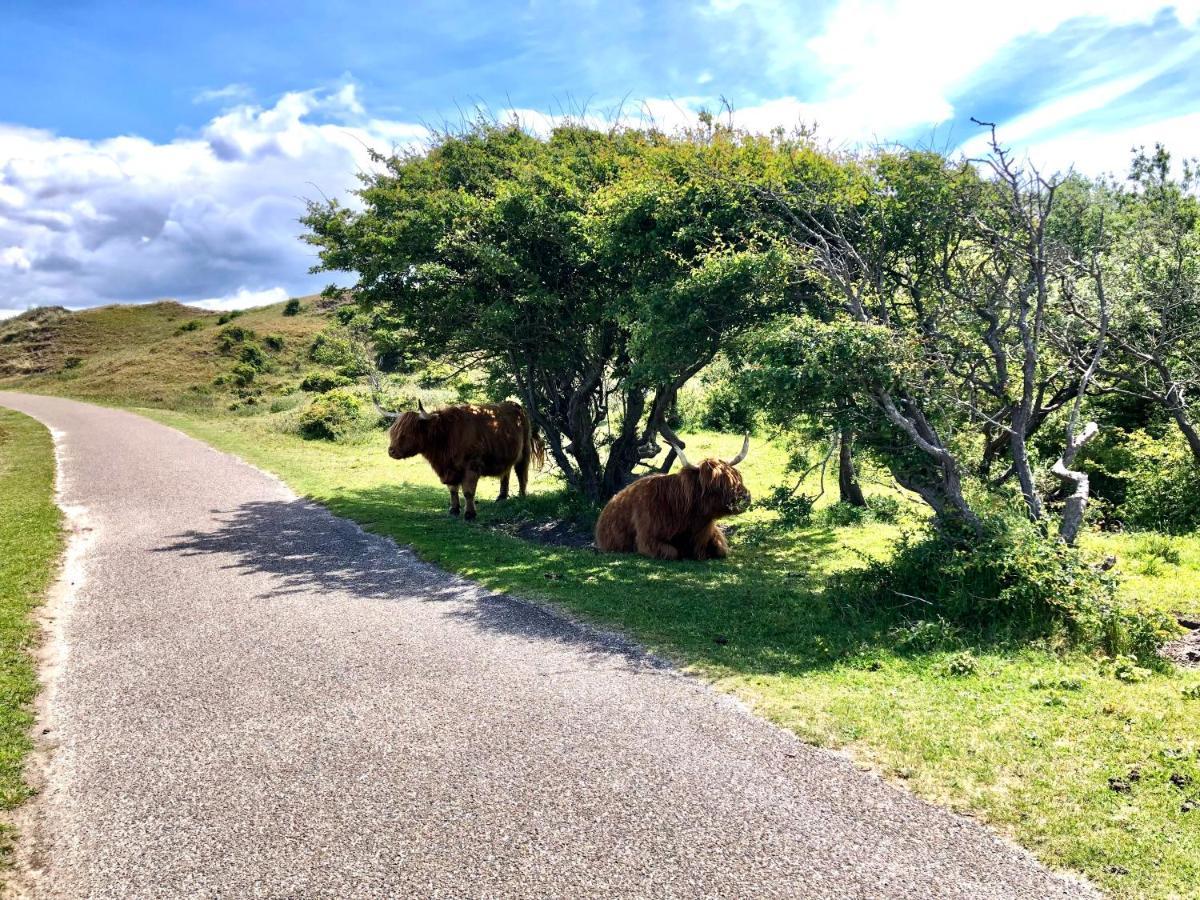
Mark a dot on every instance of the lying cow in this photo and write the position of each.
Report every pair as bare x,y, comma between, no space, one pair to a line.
674,516
465,443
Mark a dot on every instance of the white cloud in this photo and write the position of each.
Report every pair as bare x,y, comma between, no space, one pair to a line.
892,65
208,217
243,299
228,93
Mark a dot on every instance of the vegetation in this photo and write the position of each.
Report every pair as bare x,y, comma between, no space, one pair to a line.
30,543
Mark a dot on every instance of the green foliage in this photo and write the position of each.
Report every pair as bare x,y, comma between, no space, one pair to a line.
252,355
274,342
334,348
586,268
1162,484
243,374
292,307
332,416
225,318
1015,582
190,325
72,362
961,664
230,337
319,382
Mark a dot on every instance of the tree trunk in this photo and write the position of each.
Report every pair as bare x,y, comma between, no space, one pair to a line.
1072,517
848,487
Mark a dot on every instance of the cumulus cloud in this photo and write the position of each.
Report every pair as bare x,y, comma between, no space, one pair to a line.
210,217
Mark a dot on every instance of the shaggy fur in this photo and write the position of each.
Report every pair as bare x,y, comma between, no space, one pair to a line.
674,516
464,443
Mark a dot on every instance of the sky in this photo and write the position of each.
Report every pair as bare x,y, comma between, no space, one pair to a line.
157,149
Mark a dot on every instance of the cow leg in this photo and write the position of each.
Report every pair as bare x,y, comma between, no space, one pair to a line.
522,468
649,541
711,543
470,481
454,510
504,485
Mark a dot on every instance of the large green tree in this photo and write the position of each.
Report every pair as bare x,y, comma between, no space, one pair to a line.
591,273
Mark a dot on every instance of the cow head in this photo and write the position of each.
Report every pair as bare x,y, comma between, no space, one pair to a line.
409,434
721,489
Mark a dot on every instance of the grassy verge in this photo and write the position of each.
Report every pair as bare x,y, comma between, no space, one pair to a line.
30,544
1027,739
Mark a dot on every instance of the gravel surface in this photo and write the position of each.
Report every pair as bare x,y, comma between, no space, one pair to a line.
258,699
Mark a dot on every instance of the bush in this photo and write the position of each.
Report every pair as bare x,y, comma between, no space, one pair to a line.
331,416
1014,582
274,342
254,356
292,307
72,362
319,382
189,325
331,349
228,317
228,338
243,374
1152,482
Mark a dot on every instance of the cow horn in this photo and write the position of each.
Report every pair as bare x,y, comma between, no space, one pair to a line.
683,460
386,413
745,450
421,414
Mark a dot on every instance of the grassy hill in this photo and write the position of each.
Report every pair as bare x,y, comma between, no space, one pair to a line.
159,354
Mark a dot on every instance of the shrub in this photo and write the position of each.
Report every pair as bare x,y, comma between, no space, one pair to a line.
1015,581
243,374
319,382
1153,482
72,362
254,356
331,349
274,342
292,307
884,508
228,317
189,325
961,664
228,338
331,416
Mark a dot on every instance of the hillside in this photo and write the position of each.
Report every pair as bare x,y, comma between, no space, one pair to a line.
159,354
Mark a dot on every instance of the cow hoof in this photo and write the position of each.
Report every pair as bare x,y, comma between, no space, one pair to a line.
470,516
454,510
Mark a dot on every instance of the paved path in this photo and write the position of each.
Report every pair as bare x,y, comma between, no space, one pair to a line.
258,699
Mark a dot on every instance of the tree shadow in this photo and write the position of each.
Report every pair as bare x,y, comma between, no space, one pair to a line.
303,549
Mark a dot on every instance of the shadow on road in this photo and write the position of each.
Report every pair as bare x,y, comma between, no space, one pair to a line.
306,550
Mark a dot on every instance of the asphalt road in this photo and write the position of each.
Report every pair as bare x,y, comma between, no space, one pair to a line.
256,698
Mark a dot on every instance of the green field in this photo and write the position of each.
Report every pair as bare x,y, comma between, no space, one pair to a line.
1025,737
30,544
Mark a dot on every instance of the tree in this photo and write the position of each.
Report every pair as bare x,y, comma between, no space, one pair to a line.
944,286
590,273
1155,276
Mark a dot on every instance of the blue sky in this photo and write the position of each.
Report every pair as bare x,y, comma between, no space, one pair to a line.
162,149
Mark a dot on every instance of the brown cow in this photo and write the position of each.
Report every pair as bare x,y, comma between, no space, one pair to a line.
674,516
465,443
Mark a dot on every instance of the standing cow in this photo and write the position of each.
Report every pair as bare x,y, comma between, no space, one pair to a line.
465,443
674,516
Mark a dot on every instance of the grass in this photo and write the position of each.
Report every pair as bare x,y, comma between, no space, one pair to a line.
1026,739
30,544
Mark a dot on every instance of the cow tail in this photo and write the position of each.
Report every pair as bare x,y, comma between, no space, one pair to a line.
535,446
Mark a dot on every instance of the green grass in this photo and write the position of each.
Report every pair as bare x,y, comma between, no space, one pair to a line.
30,544
1027,742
